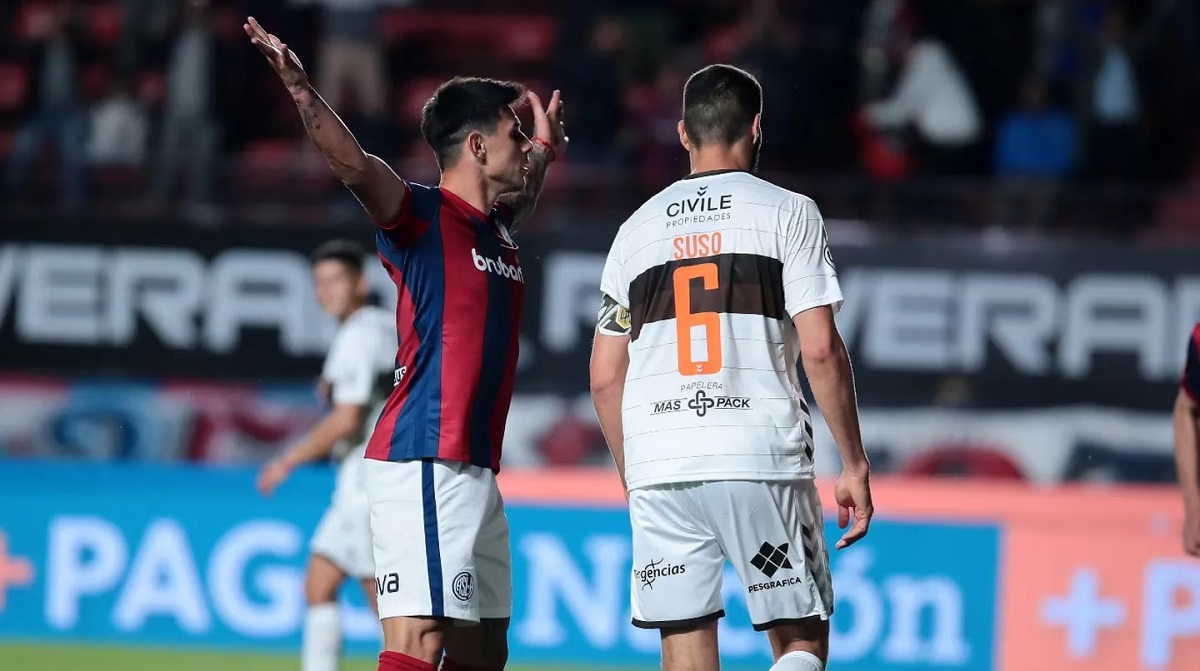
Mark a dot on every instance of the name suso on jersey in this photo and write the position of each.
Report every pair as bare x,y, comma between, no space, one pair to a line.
705,279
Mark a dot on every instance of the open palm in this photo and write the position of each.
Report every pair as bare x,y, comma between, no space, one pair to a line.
282,59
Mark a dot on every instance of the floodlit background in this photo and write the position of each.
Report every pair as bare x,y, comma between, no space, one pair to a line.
1012,188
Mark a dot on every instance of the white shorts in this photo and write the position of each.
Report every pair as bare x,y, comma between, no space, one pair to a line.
343,535
441,540
771,532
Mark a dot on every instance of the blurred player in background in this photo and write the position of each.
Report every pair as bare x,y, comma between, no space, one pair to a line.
355,380
711,291
1187,444
443,568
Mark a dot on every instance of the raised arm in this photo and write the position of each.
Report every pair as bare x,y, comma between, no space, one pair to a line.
371,180
549,141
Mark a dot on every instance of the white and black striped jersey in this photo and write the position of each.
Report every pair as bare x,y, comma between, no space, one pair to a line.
705,278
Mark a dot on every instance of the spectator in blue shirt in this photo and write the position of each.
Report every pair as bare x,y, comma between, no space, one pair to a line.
1035,151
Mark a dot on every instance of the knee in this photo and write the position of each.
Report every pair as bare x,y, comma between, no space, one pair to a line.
318,591
416,637
483,649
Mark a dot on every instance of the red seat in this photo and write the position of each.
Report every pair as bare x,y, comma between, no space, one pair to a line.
105,22
33,21
413,95
503,37
152,88
96,80
14,85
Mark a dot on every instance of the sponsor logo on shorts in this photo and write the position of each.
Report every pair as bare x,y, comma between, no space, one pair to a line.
770,560
701,404
399,374
655,570
387,584
463,586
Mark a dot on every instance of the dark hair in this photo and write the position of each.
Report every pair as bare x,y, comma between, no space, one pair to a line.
347,252
719,104
463,105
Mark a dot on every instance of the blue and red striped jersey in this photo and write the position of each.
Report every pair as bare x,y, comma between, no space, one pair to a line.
1191,371
460,291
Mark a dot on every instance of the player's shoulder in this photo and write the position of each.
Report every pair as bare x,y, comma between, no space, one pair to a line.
365,324
764,192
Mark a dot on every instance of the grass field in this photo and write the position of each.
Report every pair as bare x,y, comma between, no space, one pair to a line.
45,657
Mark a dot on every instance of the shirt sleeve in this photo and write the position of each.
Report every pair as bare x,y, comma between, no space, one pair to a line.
613,282
350,370
1190,383
406,226
809,277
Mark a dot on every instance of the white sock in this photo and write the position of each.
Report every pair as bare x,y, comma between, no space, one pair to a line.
322,647
799,661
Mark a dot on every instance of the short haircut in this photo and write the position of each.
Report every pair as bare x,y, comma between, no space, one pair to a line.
463,105
347,252
719,104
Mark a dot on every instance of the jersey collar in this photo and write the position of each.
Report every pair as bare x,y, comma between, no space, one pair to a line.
454,201
709,173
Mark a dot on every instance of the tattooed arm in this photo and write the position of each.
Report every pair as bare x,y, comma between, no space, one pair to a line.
523,202
379,190
370,179
549,141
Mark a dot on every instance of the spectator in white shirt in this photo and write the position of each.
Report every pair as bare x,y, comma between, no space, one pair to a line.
934,99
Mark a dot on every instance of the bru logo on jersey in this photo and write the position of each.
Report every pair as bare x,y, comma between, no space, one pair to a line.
497,266
697,245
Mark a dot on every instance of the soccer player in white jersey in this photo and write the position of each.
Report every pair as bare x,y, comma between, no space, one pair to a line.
711,292
356,380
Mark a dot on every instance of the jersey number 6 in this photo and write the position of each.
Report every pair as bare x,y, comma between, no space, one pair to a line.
686,320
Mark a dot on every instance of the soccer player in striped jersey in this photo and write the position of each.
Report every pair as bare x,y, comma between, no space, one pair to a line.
711,292
1187,444
442,562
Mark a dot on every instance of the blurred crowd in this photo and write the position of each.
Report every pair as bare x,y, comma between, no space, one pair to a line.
163,106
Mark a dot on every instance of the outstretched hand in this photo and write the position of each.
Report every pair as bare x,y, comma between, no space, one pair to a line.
547,121
282,59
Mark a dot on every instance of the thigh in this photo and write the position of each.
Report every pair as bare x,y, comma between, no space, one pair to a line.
344,538
426,517
693,649
677,562
772,534
493,557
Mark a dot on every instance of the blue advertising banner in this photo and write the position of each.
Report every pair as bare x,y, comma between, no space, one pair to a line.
195,557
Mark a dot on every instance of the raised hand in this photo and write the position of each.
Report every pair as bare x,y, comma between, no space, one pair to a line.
282,59
547,121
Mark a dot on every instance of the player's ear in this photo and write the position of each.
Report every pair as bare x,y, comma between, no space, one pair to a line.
756,128
477,147
683,138
362,286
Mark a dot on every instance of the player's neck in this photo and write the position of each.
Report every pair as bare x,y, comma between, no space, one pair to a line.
472,189
710,159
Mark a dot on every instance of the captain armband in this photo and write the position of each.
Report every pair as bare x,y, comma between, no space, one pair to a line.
613,318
